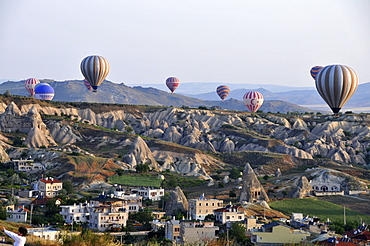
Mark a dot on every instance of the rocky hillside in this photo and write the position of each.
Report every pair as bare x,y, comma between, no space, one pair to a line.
99,138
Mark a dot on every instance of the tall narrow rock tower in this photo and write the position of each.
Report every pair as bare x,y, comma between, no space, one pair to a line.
252,190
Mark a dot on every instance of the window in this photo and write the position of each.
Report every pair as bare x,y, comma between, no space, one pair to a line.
177,229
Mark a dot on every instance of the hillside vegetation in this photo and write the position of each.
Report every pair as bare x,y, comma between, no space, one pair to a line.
318,208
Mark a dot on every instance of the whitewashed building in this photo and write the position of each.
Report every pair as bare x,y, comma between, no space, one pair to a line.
229,213
101,213
200,208
27,165
153,194
49,187
18,215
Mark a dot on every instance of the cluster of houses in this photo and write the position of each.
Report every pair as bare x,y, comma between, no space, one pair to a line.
110,212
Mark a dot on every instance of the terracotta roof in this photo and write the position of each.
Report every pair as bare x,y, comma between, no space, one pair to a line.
50,180
42,201
337,242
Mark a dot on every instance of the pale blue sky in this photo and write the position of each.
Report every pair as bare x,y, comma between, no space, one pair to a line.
146,41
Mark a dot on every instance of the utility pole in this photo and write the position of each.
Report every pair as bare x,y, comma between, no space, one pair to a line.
31,214
227,233
344,214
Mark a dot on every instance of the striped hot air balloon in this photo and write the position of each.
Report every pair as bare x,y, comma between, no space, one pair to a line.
315,70
172,83
95,69
87,84
44,91
336,84
223,91
30,85
253,100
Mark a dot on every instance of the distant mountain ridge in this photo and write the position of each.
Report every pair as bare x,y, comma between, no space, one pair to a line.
309,98
108,92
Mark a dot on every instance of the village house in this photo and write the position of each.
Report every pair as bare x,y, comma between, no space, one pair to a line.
101,213
230,213
75,213
18,215
153,194
201,207
360,235
196,231
46,233
172,230
251,224
49,187
276,233
27,165
133,201
336,241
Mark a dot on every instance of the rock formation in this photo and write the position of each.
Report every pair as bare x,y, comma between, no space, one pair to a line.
140,154
344,141
62,133
303,188
39,135
252,190
177,201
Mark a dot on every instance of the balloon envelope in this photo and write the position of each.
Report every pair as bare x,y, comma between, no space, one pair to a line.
95,69
30,85
223,91
44,91
253,100
315,70
172,83
336,84
87,84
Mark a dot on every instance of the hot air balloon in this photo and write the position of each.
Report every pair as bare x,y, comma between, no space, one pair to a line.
95,69
315,70
336,84
87,84
172,83
44,91
223,91
253,100
30,85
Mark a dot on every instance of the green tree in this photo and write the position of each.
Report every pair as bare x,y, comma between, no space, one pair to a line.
119,172
51,209
24,154
18,142
142,168
210,217
2,213
144,216
232,194
234,173
68,186
237,232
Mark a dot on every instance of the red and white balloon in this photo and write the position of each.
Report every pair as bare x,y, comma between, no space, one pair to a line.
253,100
30,85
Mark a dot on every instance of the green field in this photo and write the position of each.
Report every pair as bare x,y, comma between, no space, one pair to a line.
135,180
318,208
